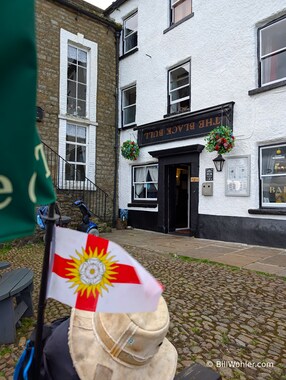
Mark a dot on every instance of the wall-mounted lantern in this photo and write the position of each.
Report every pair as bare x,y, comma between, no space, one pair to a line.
218,162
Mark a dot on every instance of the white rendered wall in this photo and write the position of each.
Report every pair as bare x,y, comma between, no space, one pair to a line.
221,41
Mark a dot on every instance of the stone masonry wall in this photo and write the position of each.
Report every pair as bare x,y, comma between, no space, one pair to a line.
51,16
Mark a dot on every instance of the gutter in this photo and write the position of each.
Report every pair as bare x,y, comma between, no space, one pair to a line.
116,146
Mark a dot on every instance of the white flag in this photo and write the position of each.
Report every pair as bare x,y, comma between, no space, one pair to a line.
95,274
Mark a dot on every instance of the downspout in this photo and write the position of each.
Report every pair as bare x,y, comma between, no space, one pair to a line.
116,146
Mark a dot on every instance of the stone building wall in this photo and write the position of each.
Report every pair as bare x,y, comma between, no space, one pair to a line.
77,16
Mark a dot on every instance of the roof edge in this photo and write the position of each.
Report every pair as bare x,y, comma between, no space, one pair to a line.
113,6
97,15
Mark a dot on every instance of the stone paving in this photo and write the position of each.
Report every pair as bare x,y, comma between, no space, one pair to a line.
230,319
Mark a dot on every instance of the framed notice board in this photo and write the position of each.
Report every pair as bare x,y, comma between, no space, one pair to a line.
237,179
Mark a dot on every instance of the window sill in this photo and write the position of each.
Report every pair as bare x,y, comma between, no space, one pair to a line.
174,114
130,52
131,126
143,204
266,88
178,23
268,211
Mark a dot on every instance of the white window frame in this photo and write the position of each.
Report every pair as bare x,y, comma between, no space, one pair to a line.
170,102
271,54
125,107
76,81
174,4
263,176
144,183
78,144
134,14
78,40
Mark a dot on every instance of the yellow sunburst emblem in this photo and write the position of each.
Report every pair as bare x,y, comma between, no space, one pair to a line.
91,272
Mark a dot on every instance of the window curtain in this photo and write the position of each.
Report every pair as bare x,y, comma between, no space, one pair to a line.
140,176
153,172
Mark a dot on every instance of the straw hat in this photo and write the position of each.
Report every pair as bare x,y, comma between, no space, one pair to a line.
122,346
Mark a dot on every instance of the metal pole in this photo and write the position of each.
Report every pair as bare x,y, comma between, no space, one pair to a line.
50,222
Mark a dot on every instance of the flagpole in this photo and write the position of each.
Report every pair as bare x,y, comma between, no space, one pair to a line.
50,222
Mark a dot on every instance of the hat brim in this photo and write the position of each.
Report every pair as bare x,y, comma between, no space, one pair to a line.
96,363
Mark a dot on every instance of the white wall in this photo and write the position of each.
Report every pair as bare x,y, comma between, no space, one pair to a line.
221,41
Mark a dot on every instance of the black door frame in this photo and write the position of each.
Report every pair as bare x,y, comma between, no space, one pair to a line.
167,158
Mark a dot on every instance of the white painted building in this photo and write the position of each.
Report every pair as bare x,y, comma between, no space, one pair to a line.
186,67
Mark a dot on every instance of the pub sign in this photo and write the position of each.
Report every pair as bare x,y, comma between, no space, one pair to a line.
194,124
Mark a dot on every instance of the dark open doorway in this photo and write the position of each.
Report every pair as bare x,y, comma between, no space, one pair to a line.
182,197
178,190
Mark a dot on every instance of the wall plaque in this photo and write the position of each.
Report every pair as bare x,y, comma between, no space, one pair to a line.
209,174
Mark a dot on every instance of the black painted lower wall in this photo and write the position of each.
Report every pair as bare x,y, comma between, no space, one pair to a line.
143,219
254,231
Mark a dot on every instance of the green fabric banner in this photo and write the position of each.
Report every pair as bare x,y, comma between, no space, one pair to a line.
24,176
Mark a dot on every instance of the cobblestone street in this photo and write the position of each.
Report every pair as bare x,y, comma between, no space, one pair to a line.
229,318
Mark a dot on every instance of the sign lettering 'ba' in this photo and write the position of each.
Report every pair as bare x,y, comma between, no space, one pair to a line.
94,274
24,176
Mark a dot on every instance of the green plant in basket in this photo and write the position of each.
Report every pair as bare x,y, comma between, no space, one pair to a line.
220,140
130,150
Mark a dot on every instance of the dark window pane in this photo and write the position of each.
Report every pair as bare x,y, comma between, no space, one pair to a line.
70,172
71,90
72,69
80,172
82,75
183,106
179,94
180,76
81,105
81,93
131,42
139,191
274,160
70,152
151,191
71,106
130,96
129,115
81,154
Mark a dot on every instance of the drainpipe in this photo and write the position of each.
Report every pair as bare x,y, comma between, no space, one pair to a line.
116,146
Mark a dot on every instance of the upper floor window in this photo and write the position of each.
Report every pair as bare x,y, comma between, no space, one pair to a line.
130,33
273,175
145,182
180,9
77,105
129,106
76,147
76,81
272,52
179,89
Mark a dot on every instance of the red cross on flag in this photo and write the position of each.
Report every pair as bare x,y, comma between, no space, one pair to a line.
94,274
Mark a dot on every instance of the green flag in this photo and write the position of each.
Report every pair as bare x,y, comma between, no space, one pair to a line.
24,176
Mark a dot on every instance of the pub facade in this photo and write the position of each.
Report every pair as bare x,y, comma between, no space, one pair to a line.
184,69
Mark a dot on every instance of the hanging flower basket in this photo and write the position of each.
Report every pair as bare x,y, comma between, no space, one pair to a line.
220,140
130,150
